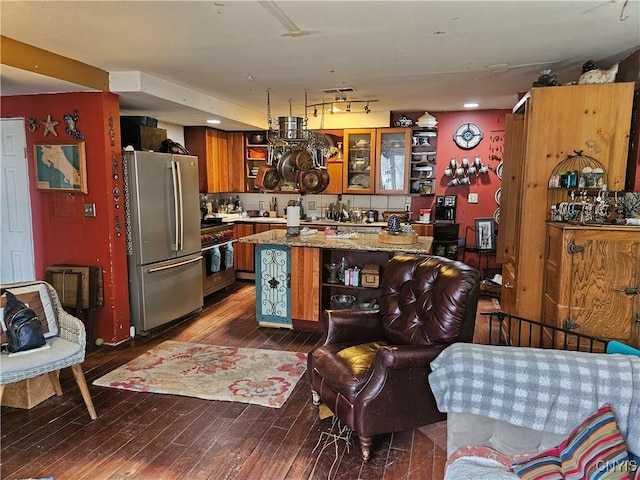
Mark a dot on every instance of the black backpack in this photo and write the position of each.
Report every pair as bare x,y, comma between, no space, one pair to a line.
23,326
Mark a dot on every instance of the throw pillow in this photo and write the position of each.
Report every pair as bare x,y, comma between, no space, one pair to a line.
594,450
546,465
36,297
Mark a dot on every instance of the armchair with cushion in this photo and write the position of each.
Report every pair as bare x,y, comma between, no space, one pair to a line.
64,334
372,368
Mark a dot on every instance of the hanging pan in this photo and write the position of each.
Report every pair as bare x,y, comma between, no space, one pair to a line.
267,177
310,181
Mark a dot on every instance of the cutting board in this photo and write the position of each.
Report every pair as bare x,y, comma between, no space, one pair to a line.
398,238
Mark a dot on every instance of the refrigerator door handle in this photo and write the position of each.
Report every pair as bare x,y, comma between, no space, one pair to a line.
174,265
176,209
180,207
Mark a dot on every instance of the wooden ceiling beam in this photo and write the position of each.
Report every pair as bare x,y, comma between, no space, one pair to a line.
27,57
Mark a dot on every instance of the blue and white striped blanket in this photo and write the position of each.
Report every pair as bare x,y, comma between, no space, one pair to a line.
546,390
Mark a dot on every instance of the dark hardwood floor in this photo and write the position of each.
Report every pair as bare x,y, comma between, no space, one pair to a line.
152,436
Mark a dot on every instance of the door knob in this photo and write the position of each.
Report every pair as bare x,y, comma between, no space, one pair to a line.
628,290
573,248
569,324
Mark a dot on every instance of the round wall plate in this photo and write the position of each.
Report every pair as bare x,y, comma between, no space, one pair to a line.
468,135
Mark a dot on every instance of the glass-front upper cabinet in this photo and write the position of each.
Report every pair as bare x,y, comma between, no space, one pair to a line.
392,167
359,160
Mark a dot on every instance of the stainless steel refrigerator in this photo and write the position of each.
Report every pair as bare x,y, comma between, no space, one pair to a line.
162,219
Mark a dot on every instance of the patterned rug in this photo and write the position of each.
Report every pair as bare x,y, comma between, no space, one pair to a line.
248,375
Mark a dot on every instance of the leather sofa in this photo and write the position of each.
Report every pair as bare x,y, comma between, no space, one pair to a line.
372,367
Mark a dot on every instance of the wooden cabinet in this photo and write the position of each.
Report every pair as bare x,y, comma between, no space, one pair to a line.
393,147
243,252
218,152
235,155
376,161
423,229
592,277
334,163
359,161
548,124
305,284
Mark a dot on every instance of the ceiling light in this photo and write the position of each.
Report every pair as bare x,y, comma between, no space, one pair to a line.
213,121
471,105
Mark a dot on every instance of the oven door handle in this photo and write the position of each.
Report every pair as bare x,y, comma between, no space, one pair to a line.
210,247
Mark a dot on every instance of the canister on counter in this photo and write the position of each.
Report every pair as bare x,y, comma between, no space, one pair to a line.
425,215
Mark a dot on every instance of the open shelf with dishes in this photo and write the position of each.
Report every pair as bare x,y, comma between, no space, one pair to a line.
422,176
256,151
364,292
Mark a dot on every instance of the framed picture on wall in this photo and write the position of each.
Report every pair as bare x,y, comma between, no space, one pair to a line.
485,234
61,167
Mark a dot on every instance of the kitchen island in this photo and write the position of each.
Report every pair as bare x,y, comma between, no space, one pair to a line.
293,284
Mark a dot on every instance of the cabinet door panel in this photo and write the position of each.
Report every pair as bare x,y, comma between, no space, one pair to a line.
359,161
392,163
243,252
335,178
273,285
305,283
599,276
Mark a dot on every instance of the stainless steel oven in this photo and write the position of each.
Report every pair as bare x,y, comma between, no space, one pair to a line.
217,252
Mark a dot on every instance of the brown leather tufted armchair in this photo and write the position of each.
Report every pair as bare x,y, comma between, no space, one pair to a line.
372,369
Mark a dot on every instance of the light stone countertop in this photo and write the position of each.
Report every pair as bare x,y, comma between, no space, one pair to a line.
362,241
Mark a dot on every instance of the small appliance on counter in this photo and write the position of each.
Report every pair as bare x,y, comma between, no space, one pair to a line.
445,209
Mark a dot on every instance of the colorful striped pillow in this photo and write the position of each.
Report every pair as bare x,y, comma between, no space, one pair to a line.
546,465
594,450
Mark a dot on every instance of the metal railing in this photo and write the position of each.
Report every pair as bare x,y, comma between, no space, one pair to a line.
521,332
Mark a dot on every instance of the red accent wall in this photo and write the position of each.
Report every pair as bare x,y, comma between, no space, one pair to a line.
491,123
62,234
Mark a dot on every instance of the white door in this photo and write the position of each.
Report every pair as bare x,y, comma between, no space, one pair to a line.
16,234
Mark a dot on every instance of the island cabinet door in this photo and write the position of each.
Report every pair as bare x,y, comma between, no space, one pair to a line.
305,284
273,285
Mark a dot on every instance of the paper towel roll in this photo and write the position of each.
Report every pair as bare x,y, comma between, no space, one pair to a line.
293,216
632,221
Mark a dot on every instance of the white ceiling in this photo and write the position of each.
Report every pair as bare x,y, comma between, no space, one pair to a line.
199,59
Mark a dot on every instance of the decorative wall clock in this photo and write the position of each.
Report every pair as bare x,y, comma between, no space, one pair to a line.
468,135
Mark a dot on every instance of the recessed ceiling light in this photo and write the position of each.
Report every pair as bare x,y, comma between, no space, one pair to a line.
213,121
471,105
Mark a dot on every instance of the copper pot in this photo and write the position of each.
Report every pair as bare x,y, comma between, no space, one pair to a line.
324,179
302,159
286,169
267,178
310,181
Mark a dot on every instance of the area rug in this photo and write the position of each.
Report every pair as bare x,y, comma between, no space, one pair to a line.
248,375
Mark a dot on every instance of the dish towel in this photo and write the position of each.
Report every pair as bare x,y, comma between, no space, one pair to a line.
228,259
215,259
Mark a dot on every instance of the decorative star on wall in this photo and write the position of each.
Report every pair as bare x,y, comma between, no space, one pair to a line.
49,126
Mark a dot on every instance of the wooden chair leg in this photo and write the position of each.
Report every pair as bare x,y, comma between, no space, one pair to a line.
1,392
55,381
365,446
84,390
